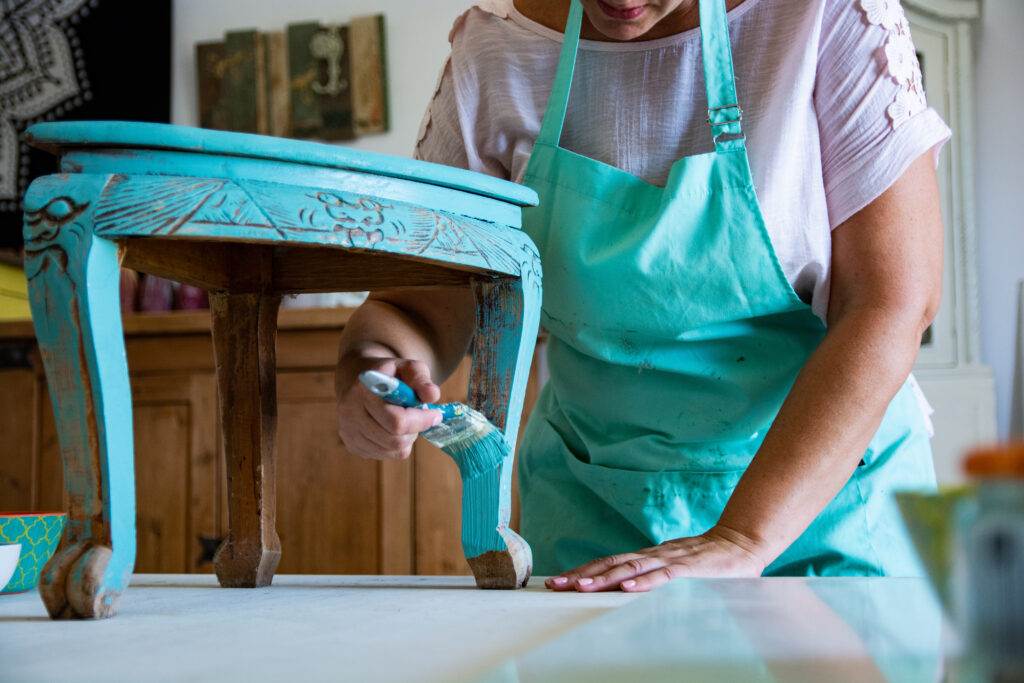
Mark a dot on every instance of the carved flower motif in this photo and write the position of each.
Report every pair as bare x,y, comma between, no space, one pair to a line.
901,59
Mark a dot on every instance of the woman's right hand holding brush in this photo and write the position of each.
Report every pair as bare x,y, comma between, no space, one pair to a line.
372,428
409,334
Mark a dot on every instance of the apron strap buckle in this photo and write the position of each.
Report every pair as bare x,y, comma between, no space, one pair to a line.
724,128
739,115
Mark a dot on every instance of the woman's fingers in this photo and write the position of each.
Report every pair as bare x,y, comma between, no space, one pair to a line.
652,580
707,556
374,429
395,420
604,572
417,375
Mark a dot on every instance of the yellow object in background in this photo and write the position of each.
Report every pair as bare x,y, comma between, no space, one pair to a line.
13,293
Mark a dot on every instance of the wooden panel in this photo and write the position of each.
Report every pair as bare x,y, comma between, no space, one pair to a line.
299,269
18,439
175,435
201,263
329,501
307,350
161,486
164,355
397,547
175,425
205,456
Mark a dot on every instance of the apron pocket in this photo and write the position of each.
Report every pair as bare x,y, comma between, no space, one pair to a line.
662,505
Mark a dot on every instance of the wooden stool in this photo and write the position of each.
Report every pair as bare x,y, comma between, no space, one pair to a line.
250,218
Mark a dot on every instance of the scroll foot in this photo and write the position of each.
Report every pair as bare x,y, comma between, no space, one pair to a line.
75,583
504,569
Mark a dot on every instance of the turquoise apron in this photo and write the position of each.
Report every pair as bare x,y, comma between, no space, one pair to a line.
675,337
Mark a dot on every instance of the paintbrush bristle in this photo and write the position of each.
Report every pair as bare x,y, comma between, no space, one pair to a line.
476,445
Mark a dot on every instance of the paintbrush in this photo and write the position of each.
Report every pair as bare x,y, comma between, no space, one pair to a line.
476,445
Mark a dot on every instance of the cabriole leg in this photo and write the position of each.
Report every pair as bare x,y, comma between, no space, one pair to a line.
73,279
508,311
244,339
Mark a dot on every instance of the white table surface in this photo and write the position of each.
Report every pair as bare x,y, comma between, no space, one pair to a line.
428,628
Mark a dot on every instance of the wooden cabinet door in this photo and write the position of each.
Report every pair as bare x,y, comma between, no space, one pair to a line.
19,439
176,466
336,513
177,470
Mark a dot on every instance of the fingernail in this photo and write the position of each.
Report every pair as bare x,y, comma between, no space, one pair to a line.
559,581
584,582
628,584
438,419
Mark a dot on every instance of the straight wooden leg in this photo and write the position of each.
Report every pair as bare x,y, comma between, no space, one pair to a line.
244,339
73,278
508,314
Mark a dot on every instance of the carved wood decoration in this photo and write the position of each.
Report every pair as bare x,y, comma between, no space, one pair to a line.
248,238
73,281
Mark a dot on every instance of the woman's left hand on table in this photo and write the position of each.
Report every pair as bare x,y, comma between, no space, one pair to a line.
716,553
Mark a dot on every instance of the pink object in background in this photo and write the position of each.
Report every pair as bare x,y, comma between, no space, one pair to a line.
155,294
129,291
190,298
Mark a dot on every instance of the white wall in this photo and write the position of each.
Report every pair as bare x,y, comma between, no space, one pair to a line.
417,33
999,186
417,45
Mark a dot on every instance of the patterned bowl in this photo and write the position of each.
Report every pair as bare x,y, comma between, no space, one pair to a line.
38,533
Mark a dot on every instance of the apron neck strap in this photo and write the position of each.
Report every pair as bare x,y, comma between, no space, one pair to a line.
724,113
554,116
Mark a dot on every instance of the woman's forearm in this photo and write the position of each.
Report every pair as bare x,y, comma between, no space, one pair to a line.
433,326
822,430
886,287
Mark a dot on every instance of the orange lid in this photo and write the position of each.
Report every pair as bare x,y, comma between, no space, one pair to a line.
1003,460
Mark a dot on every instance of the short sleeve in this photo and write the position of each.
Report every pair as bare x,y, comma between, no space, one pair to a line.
873,118
440,139
467,123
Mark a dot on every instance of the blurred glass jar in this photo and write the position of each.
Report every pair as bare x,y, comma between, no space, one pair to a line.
992,542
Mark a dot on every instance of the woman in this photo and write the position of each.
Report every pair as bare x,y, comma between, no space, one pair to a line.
729,387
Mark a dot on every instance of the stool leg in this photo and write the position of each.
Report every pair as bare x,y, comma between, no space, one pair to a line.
508,312
244,339
73,279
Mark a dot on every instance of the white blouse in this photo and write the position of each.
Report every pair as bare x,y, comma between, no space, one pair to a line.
831,93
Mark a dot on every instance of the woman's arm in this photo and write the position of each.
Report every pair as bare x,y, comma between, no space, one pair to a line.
885,290
419,335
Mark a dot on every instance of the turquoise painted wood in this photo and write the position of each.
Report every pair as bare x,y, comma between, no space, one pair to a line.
249,218
73,292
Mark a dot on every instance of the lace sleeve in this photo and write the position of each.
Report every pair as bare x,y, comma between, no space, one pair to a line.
873,117
440,139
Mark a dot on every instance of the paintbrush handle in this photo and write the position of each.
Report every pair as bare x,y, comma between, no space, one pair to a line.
397,392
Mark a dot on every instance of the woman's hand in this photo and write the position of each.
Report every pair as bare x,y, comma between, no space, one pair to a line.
719,552
374,429
415,335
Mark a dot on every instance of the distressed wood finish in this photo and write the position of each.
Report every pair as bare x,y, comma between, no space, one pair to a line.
73,291
244,340
250,218
508,313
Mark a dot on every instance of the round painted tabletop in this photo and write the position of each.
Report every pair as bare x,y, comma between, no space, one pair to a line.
56,136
